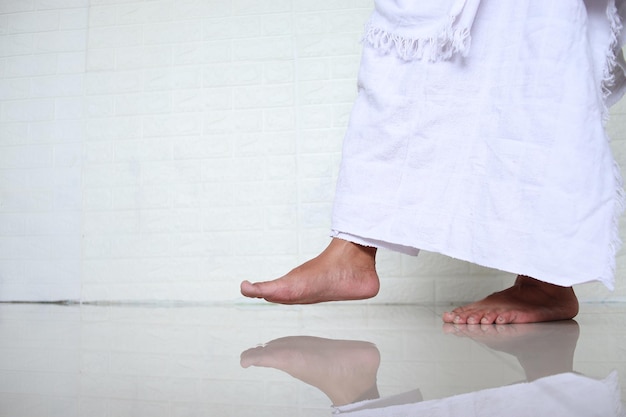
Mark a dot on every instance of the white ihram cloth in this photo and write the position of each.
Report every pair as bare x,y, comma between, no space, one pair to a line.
494,152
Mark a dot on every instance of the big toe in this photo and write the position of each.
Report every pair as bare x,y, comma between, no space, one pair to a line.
448,316
250,290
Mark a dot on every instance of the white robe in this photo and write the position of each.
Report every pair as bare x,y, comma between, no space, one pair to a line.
491,149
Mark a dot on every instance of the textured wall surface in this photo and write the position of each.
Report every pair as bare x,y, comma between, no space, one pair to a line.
166,150
42,68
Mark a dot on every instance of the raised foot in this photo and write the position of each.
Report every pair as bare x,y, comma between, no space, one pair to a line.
343,271
527,301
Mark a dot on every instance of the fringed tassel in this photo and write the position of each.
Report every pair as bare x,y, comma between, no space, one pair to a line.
620,204
608,76
448,43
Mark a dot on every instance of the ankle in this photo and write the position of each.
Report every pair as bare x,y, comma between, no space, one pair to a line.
549,290
346,249
526,281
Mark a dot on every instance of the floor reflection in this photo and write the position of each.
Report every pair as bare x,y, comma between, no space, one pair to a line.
346,372
542,349
367,360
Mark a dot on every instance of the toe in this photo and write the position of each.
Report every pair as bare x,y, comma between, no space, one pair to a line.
452,316
462,315
460,319
448,316
473,319
244,287
505,318
250,290
489,318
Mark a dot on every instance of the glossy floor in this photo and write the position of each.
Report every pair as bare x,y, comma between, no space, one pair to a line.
268,360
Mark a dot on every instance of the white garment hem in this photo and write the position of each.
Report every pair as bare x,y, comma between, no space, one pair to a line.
528,270
373,243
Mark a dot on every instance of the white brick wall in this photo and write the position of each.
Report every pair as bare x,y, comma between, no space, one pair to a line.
161,149
42,55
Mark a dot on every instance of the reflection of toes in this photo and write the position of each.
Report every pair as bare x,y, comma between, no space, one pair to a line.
252,357
513,333
449,328
345,370
496,334
541,348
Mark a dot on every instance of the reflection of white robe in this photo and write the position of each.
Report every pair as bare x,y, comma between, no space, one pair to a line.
564,395
500,157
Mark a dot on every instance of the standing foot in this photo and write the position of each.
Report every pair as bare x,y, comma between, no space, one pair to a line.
343,271
527,301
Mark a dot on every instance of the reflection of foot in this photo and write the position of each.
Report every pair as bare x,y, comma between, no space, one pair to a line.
543,349
345,370
344,271
527,301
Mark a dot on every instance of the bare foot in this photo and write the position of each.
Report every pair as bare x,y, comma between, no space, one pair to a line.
345,370
527,301
343,271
